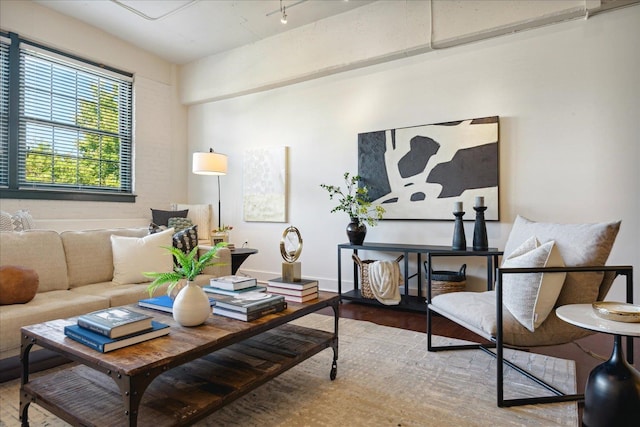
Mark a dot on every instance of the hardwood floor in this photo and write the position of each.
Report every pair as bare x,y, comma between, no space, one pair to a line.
600,344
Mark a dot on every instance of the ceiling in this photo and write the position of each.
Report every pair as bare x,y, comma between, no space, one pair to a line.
182,31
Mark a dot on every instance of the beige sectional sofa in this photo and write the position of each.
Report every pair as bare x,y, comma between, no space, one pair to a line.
75,270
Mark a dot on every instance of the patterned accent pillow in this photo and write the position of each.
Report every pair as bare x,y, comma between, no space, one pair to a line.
155,228
161,217
179,224
6,224
186,239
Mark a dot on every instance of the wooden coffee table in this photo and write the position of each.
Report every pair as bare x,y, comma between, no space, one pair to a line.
173,380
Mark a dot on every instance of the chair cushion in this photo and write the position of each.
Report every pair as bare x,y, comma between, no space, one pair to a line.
530,297
579,245
476,311
132,256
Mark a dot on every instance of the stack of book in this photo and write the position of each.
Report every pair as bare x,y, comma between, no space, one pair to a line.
163,303
233,285
302,291
114,328
249,305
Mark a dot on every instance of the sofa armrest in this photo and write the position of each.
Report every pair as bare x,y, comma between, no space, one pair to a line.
222,265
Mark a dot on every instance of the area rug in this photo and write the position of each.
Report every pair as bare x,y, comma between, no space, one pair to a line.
385,377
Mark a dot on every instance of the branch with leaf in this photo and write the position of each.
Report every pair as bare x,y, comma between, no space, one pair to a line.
354,200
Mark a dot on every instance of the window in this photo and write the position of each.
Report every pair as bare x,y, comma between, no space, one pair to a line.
70,134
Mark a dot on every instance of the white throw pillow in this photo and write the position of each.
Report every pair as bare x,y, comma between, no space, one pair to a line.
530,297
133,256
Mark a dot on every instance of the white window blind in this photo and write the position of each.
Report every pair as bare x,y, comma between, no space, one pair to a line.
4,112
75,129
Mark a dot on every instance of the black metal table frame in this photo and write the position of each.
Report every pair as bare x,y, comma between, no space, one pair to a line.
492,255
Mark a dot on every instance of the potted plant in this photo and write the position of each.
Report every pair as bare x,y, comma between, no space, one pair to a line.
191,305
354,201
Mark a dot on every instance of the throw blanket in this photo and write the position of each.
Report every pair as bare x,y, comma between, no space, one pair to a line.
384,278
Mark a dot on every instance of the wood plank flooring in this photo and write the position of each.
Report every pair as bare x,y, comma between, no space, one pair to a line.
600,344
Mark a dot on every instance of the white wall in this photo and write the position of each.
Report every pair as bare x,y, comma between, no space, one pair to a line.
568,97
161,159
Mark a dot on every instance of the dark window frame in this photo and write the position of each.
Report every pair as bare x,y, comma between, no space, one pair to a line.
15,144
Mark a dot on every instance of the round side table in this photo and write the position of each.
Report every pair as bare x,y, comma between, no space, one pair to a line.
612,393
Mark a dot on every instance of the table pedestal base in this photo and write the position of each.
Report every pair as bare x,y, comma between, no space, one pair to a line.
612,393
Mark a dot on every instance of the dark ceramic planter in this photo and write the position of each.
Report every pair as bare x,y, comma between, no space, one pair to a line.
356,231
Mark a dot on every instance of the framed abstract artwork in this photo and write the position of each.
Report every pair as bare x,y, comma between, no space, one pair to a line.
419,172
265,184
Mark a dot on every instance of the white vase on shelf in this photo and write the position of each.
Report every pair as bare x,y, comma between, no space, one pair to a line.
191,306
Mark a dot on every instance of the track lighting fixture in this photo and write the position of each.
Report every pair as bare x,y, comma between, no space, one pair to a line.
283,9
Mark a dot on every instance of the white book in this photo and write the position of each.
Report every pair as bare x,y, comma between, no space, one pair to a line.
294,292
300,285
233,283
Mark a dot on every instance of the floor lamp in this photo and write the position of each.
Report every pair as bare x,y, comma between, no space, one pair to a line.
211,164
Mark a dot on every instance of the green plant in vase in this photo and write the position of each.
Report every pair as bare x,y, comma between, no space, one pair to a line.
354,201
186,267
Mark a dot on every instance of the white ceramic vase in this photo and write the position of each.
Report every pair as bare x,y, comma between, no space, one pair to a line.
191,306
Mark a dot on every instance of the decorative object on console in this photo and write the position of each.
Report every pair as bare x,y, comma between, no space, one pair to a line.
265,184
459,239
415,172
387,291
354,201
444,281
18,285
211,163
480,241
191,306
290,250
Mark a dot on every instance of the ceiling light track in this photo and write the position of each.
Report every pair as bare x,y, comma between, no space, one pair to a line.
283,10
153,18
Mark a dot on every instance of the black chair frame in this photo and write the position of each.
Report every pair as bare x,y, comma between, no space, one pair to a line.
499,344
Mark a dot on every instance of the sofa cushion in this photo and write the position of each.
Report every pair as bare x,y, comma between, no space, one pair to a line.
530,297
133,256
579,245
88,253
43,307
40,250
18,285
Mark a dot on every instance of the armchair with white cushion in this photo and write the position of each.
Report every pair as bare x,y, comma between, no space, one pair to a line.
545,265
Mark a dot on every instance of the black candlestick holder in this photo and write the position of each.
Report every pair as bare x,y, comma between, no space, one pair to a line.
480,241
459,239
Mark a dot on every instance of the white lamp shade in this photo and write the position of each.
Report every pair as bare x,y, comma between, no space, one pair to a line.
209,164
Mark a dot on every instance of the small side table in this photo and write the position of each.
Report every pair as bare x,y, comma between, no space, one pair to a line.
238,256
612,393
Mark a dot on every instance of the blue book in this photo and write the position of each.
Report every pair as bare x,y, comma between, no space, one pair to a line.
103,344
163,303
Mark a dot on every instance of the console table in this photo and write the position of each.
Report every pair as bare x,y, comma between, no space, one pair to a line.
410,302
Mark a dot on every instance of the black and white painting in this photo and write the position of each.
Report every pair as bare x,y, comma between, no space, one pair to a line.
419,172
